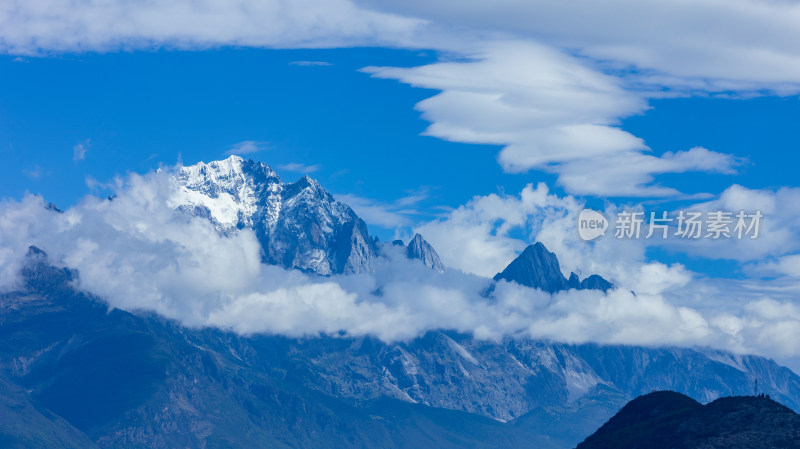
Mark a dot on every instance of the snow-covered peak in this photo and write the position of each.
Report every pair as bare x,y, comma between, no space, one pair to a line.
214,173
306,187
227,175
299,225
224,191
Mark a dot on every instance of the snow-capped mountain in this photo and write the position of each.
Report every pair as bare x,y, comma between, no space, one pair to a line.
299,225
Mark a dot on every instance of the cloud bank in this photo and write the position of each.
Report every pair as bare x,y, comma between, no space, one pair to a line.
137,253
46,26
703,45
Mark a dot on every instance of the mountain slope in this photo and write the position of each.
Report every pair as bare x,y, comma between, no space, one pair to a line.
142,381
27,425
74,374
667,419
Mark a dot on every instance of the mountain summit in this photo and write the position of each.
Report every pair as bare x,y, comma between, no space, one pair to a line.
299,225
419,248
537,267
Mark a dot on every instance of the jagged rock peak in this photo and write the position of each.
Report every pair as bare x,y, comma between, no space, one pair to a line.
537,267
420,249
308,187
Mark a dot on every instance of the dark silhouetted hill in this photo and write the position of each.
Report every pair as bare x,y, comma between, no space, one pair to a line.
666,419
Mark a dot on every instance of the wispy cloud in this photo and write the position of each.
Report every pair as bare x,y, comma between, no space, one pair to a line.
96,186
374,212
300,168
80,149
34,173
247,147
311,63
394,214
620,33
45,26
788,266
625,34
414,197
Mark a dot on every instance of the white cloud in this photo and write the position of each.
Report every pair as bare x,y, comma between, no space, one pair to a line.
397,214
246,147
550,111
79,150
388,215
138,254
476,237
37,26
34,173
777,229
704,45
632,173
300,168
512,92
779,266
311,63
